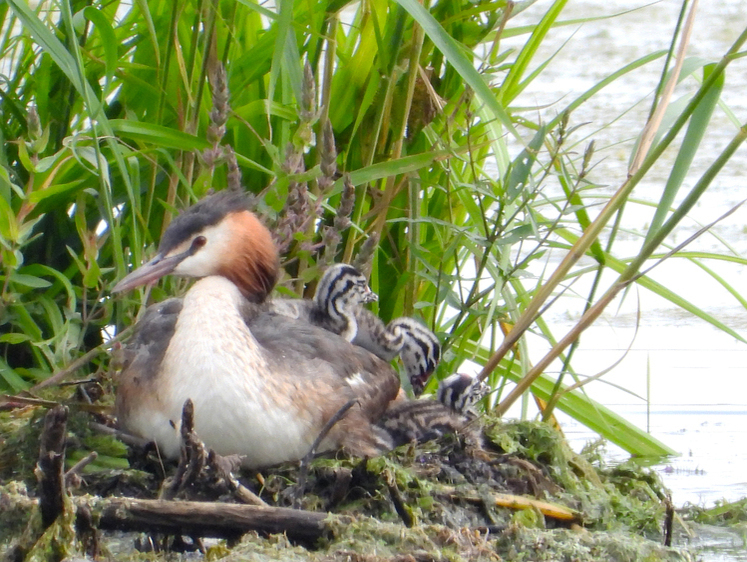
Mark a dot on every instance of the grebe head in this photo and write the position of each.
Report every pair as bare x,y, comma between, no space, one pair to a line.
461,391
217,236
341,288
421,350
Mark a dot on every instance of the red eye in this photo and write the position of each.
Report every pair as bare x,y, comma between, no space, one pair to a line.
198,242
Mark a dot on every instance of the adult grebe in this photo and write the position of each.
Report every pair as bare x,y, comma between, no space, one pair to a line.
263,385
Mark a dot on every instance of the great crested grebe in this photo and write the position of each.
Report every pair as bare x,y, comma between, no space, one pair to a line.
263,385
461,392
337,306
341,291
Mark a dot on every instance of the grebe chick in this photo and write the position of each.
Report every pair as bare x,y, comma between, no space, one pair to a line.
407,421
341,291
337,306
263,386
461,392
416,345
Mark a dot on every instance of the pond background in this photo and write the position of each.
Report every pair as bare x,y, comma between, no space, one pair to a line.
679,377
693,375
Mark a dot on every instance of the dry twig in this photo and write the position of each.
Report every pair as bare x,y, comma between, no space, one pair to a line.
49,469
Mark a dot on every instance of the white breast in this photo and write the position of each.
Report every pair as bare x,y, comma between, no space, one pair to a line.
214,360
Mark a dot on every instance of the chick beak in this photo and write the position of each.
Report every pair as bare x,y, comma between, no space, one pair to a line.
419,381
149,272
370,296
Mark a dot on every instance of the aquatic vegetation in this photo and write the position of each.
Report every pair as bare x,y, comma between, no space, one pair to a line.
520,493
723,513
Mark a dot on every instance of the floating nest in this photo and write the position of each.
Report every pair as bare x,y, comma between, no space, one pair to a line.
504,491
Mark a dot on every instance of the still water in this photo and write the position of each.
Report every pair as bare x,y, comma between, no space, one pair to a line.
711,466
679,377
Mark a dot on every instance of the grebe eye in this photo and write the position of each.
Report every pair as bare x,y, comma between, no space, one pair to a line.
198,243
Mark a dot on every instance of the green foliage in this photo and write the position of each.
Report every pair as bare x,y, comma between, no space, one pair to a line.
534,441
722,514
19,448
110,127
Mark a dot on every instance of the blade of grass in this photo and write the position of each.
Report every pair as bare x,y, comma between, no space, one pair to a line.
590,234
630,272
455,55
511,86
690,144
652,126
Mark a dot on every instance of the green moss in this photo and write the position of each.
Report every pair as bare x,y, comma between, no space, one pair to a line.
15,507
520,544
529,518
19,443
447,489
723,513
626,497
55,543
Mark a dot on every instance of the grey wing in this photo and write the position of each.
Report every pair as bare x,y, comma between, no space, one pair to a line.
292,308
143,355
144,351
306,351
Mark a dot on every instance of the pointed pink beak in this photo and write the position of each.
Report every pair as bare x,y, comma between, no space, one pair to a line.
149,272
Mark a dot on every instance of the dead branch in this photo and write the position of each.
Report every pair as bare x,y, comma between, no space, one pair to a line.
399,503
200,467
125,438
192,458
72,476
668,520
511,501
50,468
207,519
223,468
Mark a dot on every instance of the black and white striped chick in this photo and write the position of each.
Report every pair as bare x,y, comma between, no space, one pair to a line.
340,293
337,307
461,392
417,346
422,420
408,421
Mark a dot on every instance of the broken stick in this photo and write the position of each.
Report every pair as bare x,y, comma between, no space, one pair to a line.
208,519
51,465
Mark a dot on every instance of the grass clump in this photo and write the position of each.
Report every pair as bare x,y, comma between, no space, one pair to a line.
724,513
